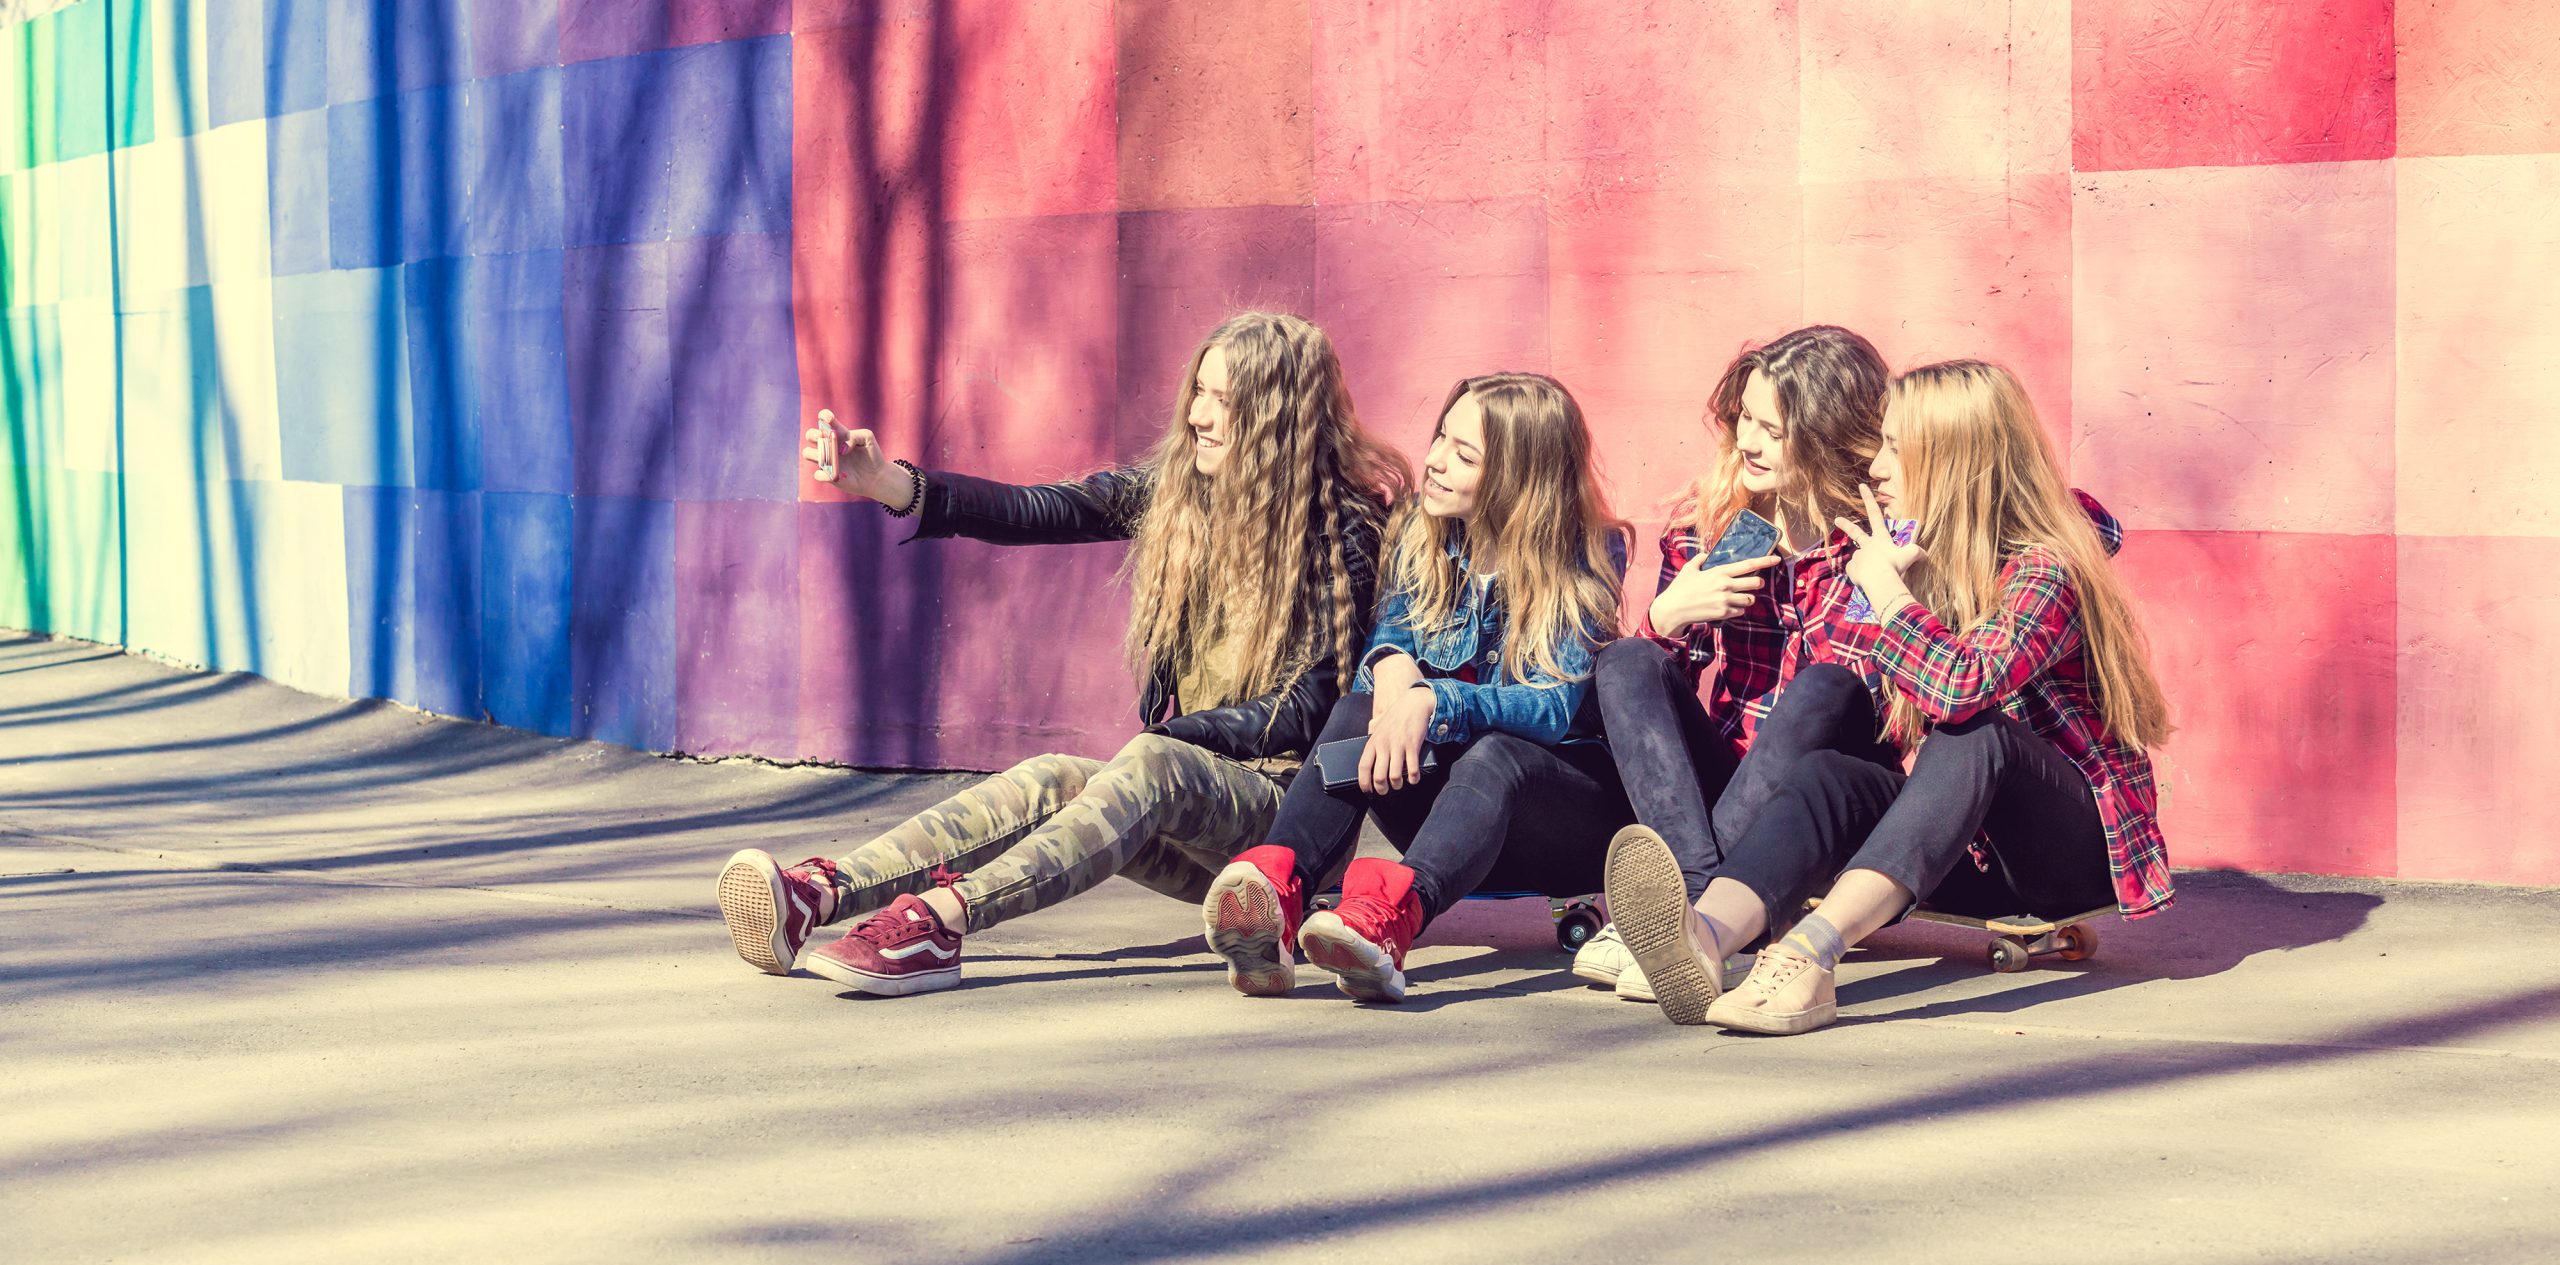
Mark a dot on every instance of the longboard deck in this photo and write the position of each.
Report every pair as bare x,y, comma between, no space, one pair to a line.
2011,924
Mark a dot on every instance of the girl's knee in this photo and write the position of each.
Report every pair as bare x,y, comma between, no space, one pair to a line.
1493,760
1629,659
1155,753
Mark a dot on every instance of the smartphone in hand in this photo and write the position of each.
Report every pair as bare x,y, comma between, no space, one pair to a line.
1747,536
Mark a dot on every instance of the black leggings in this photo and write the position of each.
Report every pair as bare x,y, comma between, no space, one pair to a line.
2047,851
1500,811
1676,763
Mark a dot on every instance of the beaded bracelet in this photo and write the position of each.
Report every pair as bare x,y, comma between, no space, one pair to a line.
915,502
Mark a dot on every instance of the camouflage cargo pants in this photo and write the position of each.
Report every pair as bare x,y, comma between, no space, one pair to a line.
1165,813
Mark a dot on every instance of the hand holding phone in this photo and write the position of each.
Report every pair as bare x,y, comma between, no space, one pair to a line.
1718,584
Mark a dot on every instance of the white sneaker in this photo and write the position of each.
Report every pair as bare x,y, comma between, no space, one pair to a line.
1633,986
1603,959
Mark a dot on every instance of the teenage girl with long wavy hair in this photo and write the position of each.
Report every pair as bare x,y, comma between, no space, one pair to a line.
1255,526
1501,583
2009,655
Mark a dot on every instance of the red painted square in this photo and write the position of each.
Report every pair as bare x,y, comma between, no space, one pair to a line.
1934,270
1670,94
1213,103
2278,656
2478,77
2187,83
1418,297
1428,100
737,627
1025,358
2232,346
2478,322
1650,294
2479,737
955,654
1950,89
1182,272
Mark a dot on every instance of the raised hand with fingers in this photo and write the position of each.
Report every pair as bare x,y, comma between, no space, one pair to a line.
1701,594
851,460
1881,565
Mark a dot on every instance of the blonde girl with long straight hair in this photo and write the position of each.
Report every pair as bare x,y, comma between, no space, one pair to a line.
1501,584
1255,527
2010,655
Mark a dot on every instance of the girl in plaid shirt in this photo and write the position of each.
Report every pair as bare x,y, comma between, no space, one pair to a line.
2012,659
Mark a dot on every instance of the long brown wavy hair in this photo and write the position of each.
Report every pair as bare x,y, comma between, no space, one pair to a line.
1830,385
1252,558
1980,475
1542,526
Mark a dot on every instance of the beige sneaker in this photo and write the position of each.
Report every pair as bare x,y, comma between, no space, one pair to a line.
1650,904
1633,986
1785,995
1603,958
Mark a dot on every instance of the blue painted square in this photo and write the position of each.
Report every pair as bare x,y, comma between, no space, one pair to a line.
381,593
396,178
512,35
733,151
298,192
296,55
445,424
527,544
445,548
380,47
622,639
511,148
621,397
520,372
342,378
618,149
235,57
735,374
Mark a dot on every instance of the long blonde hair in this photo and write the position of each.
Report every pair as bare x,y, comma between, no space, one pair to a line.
1542,525
1830,385
1980,475
1253,558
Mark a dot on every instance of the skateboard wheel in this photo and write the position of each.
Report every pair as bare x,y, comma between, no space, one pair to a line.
2008,955
1326,901
1576,928
2079,942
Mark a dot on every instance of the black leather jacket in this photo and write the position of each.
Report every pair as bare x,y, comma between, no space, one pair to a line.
1107,506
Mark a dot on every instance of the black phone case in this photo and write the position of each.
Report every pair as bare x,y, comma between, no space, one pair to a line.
1338,762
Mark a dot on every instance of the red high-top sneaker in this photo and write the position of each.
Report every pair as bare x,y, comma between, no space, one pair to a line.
1363,940
1252,912
771,911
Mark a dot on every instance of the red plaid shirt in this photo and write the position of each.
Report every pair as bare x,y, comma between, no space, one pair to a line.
2031,663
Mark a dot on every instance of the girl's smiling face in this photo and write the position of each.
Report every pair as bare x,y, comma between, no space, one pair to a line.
1212,422
1454,467
1885,472
1759,436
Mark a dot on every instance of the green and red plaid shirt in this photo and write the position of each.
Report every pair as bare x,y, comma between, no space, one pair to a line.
2030,661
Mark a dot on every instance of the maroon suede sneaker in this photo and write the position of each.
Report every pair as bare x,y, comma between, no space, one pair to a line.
772,911
1363,940
1252,912
900,950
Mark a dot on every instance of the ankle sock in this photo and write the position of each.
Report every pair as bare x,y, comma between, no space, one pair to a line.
1814,937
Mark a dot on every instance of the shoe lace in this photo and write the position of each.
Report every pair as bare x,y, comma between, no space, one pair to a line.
819,865
1774,970
883,929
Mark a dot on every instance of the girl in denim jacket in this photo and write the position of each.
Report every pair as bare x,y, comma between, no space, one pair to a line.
1501,583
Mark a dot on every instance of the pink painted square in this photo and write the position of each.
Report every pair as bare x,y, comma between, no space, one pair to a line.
1650,294
2478,77
1951,89
2232,346
1429,100
2278,656
2192,83
1933,270
1417,297
2479,323
1183,272
2479,738
1025,358
1213,103
1669,95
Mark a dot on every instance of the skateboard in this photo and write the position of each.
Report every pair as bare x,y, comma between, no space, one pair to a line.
1577,918
2019,939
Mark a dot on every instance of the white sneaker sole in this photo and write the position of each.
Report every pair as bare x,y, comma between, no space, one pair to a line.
1245,928
935,980
751,900
1650,903
1363,969
1766,1023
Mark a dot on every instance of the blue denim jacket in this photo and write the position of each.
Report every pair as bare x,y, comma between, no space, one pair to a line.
1544,709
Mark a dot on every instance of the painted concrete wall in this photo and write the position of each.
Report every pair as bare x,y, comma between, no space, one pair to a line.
455,351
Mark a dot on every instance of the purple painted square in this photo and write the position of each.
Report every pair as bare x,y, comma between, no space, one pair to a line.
298,192
621,405
622,656
512,35
527,544
445,429
611,28
520,378
737,626
445,550
735,372
512,151
617,149
1181,272
732,171
711,21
